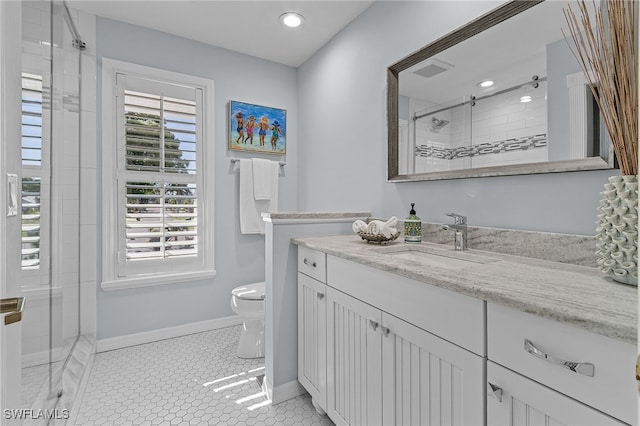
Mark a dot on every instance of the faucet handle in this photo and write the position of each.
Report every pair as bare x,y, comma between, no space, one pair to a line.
459,219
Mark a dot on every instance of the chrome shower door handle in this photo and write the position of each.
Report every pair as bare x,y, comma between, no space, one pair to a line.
13,308
12,194
584,368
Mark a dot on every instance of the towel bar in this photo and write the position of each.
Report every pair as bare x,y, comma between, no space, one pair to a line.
236,160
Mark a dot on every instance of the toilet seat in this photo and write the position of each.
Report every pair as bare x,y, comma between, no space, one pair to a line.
253,291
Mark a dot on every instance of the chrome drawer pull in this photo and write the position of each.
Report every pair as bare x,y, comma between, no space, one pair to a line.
385,330
312,264
494,391
584,368
373,324
320,296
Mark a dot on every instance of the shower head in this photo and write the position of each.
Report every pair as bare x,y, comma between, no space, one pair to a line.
438,124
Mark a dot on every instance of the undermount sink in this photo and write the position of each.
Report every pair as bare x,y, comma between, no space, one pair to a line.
433,257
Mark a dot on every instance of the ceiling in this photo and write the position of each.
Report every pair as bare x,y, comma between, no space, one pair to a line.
249,27
509,54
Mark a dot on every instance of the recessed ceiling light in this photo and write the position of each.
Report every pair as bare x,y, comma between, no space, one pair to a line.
525,99
291,19
486,83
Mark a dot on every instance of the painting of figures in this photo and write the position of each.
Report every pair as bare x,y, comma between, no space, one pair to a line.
257,128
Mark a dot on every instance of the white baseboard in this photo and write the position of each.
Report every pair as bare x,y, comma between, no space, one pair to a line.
38,358
283,392
112,343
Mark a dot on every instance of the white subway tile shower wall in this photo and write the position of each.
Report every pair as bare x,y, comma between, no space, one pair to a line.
495,119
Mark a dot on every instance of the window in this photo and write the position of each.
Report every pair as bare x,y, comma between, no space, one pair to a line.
159,225
35,178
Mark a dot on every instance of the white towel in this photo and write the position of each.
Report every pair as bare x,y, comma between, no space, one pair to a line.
261,179
378,227
251,209
359,226
387,231
374,227
393,221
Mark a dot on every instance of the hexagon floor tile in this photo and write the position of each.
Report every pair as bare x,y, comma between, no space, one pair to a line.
189,380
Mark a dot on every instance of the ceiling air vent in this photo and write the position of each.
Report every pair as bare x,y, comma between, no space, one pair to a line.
433,67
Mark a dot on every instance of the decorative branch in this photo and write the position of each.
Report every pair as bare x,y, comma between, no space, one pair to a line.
603,41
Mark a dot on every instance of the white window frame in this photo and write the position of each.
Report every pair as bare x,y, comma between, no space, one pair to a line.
112,276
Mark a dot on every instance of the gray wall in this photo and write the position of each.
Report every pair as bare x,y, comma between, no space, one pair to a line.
338,98
342,117
403,107
560,63
239,258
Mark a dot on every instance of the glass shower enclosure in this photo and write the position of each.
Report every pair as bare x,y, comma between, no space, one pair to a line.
50,201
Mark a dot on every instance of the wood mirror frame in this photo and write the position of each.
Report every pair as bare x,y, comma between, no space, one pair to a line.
478,25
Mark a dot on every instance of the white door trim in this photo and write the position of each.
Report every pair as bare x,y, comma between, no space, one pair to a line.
10,95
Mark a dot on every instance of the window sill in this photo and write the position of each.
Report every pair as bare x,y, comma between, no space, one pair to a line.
155,279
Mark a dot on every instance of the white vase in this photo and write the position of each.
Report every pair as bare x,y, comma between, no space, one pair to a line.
617,231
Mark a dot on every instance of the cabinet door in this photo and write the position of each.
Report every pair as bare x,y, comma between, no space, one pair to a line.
427,380
515,400
354,376
312,338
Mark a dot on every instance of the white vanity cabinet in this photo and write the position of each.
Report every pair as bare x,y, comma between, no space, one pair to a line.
312,326
382,370
354,374
399,351
312,339
514,400
584,374
427,380
384,362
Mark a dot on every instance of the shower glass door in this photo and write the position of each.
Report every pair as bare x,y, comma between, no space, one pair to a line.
50,201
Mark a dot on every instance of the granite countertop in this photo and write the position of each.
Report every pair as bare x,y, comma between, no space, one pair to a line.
576,295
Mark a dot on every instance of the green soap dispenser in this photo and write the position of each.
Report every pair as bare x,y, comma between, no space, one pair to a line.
412,227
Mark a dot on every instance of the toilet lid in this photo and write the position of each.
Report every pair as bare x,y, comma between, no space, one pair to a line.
249,291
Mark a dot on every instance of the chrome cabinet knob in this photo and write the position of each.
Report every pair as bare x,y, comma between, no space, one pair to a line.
494,391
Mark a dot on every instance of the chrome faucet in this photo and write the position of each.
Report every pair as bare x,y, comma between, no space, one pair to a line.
459,229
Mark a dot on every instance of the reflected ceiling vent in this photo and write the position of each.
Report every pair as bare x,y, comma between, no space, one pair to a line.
433,67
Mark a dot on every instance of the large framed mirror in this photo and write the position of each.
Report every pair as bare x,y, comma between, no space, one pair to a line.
446,121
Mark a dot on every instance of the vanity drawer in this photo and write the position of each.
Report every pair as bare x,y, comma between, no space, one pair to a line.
514,338
452,316
312,263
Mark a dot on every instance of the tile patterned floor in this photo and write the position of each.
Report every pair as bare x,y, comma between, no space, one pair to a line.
33,380
189,380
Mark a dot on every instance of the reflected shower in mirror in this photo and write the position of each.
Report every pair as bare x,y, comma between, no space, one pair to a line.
502,95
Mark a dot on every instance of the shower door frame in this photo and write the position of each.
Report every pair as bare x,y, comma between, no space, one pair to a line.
10,253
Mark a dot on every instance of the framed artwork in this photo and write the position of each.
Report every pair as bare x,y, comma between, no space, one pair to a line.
257,128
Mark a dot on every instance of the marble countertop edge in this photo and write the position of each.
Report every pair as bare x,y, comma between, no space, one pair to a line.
315,215
572,294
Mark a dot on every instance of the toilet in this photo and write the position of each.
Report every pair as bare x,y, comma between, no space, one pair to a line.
248,302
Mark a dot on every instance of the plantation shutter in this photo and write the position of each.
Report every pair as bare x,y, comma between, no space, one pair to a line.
32,172
160,132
